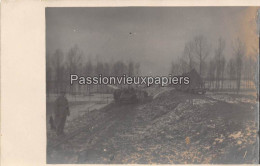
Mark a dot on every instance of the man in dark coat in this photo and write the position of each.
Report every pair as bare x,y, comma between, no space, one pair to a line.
60,113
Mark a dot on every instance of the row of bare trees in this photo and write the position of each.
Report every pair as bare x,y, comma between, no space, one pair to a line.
194,55
214,66
59,66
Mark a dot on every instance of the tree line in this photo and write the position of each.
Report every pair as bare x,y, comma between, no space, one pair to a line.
60,65
214,67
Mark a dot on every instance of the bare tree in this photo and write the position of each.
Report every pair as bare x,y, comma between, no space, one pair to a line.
106,71
239,52
48,74
57,62
188,54
222,71
183,65
211,73
175,69
99,70
119,68
249,68
89,69
231,71
74,59
137,69
130,68
220,62
201,50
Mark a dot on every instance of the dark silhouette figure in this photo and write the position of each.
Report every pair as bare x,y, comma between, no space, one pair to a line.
52,124
61,113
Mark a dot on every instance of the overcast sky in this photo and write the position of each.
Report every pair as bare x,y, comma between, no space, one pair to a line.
152,36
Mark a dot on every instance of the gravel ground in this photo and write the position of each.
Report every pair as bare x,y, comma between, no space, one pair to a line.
174,128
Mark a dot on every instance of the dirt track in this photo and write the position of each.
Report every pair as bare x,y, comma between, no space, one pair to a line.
174,128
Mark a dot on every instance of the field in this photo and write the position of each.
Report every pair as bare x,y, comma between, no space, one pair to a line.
174,128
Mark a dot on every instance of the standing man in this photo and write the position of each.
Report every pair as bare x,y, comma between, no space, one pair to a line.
61,112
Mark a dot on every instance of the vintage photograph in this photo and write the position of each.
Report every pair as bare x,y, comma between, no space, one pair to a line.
152,85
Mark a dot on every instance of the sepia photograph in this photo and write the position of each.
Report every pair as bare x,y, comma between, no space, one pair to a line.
152,85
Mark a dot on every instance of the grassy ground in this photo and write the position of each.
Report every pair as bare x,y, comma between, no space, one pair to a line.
174,128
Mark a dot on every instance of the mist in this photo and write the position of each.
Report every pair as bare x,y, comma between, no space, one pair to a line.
152,36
